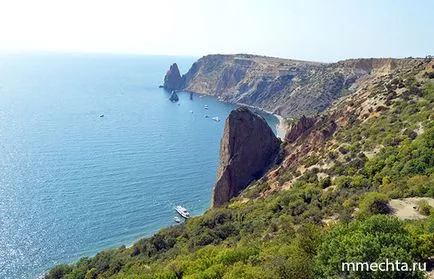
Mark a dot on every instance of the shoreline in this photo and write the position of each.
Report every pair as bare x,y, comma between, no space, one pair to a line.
281,127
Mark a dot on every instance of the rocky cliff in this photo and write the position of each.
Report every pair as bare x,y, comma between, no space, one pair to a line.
289,88
247,149
173,79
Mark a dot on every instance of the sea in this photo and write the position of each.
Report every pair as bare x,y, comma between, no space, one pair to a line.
93,155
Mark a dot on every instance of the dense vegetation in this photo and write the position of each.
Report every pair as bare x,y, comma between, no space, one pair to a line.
309,230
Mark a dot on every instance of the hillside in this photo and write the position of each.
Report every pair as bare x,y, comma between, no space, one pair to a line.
286,87
328,199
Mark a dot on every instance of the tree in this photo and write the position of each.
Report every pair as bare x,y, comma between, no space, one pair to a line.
372,240
373,203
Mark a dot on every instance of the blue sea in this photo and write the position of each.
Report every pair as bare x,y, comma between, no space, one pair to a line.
73,183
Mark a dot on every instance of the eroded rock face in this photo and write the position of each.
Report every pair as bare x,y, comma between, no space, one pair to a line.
298,128
312,130
173,79
247,150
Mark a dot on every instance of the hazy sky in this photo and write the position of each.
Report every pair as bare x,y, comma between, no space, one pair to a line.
311,30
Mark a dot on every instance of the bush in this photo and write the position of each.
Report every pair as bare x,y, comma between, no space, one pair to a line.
59,271
326,182
424,208
374,203
372,240
343,150
429,75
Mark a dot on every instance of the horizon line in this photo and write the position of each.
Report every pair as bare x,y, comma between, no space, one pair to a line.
81,52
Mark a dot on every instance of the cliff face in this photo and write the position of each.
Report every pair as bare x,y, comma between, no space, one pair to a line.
247,149
298,128
173,79
286,87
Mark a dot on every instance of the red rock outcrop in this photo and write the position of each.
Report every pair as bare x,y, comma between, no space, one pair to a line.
298,128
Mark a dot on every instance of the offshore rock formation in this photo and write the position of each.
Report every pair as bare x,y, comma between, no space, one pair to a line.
290,88
247,149
174,97
173,79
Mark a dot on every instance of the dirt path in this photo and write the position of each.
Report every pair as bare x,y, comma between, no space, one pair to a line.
407,208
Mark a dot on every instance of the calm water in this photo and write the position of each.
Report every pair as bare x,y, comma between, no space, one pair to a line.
73,183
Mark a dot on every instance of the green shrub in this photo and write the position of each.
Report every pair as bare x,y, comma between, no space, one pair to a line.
373,203
326,182
429,75
59,271
373,240
424,208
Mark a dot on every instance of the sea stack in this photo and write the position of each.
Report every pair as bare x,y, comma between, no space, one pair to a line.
173,79
174,97
248,148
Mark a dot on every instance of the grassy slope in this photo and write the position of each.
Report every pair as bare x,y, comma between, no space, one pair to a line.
272,233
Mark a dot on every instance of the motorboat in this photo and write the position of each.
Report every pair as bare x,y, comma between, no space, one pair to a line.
216,119
182,211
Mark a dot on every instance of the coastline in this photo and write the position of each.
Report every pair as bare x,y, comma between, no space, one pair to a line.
281,127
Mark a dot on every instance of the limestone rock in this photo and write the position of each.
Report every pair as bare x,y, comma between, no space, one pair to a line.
247,150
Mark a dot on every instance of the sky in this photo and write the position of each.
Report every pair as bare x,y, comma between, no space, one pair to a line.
316,30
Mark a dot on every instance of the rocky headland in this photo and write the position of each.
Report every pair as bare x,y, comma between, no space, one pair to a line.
247,149
286,87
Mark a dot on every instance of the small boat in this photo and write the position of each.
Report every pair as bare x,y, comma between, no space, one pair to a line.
205,106
177,219
216,119
182,211
102,115
191,111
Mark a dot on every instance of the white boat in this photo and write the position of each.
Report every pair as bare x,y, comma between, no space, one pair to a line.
191,111
216,119
182,211
177,219
205,106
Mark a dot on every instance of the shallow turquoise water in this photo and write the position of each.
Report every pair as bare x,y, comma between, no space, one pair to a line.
73,183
